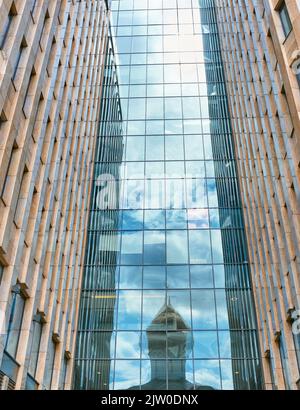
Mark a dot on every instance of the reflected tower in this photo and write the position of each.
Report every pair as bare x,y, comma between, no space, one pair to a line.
168,331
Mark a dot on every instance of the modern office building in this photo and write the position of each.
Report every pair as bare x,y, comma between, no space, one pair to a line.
167,300
51,69
149,177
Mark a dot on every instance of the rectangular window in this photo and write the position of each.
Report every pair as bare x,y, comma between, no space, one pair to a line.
15,322
7,185
297,348
285,19
21,202
35,345
31,384
284,363
49,365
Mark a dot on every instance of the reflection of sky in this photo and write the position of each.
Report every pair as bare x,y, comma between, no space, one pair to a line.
207,373
129,310
127,374
176,137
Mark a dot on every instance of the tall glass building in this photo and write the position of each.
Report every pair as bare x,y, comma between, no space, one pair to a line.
166,299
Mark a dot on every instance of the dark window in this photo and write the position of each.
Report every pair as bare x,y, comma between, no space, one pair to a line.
15,322
298,77
35,345
285,19
297,348
5,192
31,384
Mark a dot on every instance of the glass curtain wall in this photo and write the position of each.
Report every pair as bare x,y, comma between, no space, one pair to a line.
167,300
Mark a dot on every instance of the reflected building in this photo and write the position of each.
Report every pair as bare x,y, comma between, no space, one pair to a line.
169,333
236,267
99,281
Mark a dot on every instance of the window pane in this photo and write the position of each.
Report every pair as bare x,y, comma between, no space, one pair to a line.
201,276
285,19
130,277
127,374
199,244
132,220
132,248
129,310
203,309
176,219
128,345
205,345
217,247
174,147
198,218
193,147
177,249
180,300
222,310
154,277
155,148
207,374
178,276
135,149
15,322
153,302
35,346
154,219
154,247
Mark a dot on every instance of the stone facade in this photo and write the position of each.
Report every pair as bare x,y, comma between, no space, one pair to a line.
264,96
51,60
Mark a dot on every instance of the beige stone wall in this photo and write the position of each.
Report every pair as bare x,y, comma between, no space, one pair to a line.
49,108
264,98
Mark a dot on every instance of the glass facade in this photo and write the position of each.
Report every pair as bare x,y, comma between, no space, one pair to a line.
166,300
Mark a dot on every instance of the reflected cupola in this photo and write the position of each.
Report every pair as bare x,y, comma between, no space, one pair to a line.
170,343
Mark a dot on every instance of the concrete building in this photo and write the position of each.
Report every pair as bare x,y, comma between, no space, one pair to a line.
189,111
51,68
261,54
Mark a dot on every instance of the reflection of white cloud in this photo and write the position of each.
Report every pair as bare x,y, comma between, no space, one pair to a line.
208,377
198,218
132,242
177,247
128,345
129,307
227,377
127,374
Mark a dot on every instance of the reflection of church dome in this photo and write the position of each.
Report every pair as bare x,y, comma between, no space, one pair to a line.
169,345
168,319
